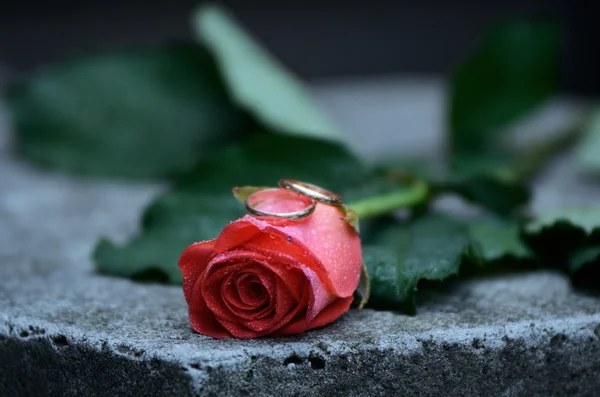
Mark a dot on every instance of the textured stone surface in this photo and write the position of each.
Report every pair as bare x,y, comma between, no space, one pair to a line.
65,330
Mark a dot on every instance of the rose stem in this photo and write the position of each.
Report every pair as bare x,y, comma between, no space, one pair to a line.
409,196
420,192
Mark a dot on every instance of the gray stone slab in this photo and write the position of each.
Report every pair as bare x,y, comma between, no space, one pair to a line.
65,330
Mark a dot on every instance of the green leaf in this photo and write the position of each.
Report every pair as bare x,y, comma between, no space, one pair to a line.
148,113
497,239
257,81
584,267
579,259
557,235
588,152
493,193
382,268
202,204
350,216
174,221
585,219
513,71
363,290
428,248
242,193
435,247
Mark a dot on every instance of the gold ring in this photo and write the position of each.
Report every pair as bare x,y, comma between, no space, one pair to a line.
312,191
289,215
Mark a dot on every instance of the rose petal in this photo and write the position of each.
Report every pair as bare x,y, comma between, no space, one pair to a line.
201,318
248,295
328,315
266,250
238,332
324,236
235,234
331,239
298,251
286,308
213,280
287,257
230,294
230,290
335,243
231,299
287,280
298,323
192,263
317,298
331,312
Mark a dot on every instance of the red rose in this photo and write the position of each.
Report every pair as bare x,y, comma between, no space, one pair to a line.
267,275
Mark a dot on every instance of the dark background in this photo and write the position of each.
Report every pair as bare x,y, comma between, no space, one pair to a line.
327,39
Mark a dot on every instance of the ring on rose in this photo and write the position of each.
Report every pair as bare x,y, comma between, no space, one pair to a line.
312,191
295,193
273,201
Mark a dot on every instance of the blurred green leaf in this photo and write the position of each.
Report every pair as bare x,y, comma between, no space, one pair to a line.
583,219
585,256
175,221
588,152
584,267
257,81
569,240
149,113
497,239
493,193
513,71
555,236
202,204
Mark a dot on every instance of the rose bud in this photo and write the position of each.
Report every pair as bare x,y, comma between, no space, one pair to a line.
271,275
